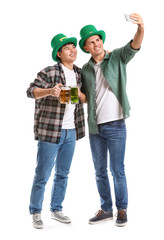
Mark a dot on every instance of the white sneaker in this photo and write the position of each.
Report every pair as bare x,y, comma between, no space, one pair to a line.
59,216
37,221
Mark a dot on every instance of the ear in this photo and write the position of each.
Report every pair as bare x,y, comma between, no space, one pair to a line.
59,54
86,49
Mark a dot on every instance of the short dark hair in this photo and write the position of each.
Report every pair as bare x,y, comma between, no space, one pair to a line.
60,49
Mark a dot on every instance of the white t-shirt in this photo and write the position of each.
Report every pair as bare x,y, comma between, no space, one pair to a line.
108,107
68,120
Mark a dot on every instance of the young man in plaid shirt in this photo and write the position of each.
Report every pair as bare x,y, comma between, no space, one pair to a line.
57,127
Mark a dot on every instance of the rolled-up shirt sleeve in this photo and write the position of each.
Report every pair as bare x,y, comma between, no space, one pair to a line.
39,82
127,52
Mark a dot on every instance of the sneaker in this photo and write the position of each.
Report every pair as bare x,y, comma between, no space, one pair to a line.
101,216
121,218
59,216
37,221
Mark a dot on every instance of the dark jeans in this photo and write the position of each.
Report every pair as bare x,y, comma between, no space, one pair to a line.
112,137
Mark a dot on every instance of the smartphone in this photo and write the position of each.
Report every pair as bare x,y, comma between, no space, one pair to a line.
127,16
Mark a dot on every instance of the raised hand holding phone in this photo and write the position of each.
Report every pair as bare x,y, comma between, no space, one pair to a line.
128,18
135,18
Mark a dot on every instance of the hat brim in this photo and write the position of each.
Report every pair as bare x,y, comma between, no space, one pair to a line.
81,42
65,41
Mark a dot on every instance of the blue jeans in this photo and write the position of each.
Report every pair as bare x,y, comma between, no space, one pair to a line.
61,155
112,137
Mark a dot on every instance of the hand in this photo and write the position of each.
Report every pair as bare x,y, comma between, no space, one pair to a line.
55,91
79,93
82,96
138,38
137,19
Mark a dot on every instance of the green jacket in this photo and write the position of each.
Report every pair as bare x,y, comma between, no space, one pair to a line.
113,67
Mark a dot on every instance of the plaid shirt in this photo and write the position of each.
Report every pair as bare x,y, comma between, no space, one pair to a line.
49,112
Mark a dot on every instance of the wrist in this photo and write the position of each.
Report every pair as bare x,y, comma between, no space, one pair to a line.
49,91
141,27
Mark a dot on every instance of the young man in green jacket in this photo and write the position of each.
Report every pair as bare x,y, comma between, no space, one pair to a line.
104,84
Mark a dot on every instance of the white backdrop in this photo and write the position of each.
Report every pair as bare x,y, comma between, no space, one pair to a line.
27,28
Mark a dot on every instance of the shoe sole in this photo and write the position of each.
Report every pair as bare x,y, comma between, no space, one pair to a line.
121,224
62,221
103,220
38,227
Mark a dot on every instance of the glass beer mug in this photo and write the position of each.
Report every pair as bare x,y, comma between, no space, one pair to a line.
74,95
65,95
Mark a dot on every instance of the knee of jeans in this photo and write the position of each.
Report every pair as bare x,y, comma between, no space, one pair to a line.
117,173
101,174
40,179
61,175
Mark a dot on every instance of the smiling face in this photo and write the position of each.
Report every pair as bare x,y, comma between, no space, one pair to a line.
94,45
67,53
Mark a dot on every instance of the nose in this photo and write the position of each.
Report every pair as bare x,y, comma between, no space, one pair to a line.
73,49
95,43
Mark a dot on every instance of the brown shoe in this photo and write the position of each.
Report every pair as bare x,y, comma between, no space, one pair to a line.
121,218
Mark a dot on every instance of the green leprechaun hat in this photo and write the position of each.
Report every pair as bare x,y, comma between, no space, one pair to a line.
58,41
88,31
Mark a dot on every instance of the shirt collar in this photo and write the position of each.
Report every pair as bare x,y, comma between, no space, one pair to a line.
92,62
75,68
